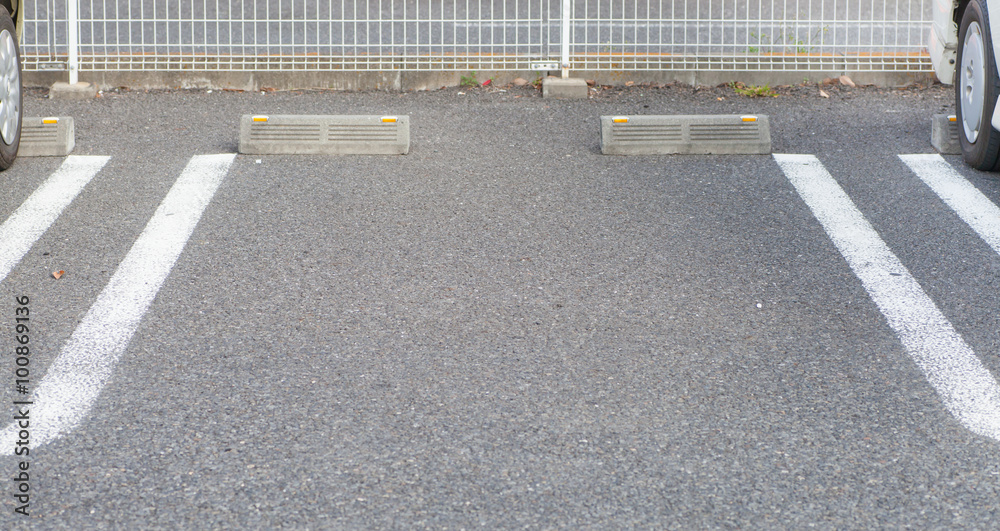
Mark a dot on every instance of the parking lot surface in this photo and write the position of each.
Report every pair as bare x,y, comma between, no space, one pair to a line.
503,328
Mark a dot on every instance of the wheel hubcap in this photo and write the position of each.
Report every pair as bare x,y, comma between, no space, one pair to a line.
973,82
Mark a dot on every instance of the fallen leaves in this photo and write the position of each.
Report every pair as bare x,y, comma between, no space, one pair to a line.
58,274
823,94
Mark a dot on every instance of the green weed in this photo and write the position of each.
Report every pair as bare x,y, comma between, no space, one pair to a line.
753,91
469,80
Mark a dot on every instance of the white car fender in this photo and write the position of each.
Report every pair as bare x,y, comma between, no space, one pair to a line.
943,43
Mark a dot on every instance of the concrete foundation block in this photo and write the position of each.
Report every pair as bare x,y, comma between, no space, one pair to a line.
944,134
324,135
46,137
680,134
565,89
77,91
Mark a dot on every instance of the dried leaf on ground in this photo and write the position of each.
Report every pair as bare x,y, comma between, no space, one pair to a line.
823,94
844,80
58,274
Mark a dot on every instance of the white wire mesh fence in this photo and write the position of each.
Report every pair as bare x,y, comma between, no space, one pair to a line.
864,35
363,35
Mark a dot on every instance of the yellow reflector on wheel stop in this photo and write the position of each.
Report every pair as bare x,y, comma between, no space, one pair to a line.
259,118
620,119
50,120
749,118
389,119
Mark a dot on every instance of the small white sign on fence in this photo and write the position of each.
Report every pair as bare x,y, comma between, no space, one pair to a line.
545,66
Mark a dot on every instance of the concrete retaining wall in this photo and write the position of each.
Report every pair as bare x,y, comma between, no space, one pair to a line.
396,81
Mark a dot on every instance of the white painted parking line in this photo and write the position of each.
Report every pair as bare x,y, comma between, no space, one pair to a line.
23,228
966,200
967,389
85,364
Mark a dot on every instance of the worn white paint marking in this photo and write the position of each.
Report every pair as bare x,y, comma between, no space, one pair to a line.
958,193
23,228
71,385
967,389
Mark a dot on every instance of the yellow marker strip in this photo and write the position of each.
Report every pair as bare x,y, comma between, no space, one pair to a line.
953,118
749,118
50,120
389,119
259,118
620,119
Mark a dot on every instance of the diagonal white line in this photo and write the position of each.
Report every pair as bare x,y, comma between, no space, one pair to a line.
23,228
85,364
975,209
966,387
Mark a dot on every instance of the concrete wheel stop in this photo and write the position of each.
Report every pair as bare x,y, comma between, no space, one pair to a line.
944,134
324,135
686,134
46,137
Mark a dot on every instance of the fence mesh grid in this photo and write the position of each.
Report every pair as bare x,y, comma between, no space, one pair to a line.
359,35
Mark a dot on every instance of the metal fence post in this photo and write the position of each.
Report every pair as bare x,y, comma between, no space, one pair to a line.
72,36
567,6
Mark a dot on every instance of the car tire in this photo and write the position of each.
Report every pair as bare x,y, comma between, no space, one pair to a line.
11,97
976,88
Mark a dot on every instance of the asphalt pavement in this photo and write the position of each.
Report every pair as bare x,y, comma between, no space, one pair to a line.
503,328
